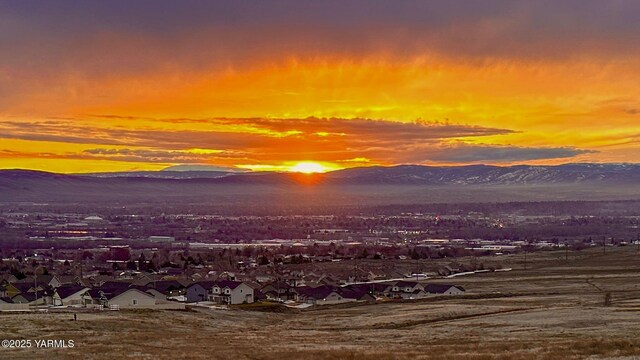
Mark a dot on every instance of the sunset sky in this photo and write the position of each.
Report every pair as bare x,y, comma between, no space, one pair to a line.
91,86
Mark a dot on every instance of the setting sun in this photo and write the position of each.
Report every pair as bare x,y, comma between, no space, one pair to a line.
309,167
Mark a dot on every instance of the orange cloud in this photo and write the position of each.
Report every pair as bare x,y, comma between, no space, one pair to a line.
135,89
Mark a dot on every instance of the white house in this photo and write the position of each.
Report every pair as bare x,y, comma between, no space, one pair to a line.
407,290
69,295
133,298
121,297
231,292
322,295
220,291
443,289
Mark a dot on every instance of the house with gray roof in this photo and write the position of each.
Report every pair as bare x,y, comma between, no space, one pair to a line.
443,289
220,291
122,297
66,295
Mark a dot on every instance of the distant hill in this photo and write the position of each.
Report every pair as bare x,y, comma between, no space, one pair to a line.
207,168
490,175
174,172
162,174
416,175
398,184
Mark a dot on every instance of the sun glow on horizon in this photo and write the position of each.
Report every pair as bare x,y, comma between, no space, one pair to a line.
309,167
301,167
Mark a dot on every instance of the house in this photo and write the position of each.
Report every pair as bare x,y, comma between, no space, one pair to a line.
448,270
279,290
231,292
25,298
72,280
312,278
443,289
228,275
416,290
69,295
406,286
113,283
407,290
371,276
199,291
33,298
101,294
220,291
164,288
357,293
328,280
145,278
49,280
329,294
381,289
121,297
20,287
321,295
372,289
39,291
263,278
133,298
52,280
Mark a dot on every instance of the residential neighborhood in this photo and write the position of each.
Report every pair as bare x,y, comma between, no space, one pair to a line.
153,291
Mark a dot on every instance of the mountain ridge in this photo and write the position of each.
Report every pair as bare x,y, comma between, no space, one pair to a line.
399,174
380,185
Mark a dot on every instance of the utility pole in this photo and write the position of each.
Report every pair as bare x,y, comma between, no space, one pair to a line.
475,266
35,284
355,270
275,266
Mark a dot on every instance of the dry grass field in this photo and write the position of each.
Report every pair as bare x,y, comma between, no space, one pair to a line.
553,310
